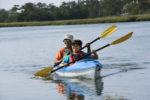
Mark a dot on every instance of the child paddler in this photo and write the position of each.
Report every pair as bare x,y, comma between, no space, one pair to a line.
77,53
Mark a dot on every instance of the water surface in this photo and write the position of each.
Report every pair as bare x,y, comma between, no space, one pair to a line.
25,50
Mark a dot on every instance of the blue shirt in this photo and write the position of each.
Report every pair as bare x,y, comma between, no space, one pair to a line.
66,60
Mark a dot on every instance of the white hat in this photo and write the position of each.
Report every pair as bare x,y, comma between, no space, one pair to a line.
68,36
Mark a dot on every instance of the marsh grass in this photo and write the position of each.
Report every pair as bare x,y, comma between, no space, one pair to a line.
113,19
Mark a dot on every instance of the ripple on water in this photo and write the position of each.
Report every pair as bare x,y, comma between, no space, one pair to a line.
119,65
28,69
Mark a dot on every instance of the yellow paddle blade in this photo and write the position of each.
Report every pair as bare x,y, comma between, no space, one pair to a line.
44,72
108,31
122,39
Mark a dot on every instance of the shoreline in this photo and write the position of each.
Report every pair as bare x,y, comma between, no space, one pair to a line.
129,18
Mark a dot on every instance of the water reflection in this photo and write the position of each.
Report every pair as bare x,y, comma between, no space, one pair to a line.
77,89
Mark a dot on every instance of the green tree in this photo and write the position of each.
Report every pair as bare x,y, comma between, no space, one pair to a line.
3,15
134,7
111,7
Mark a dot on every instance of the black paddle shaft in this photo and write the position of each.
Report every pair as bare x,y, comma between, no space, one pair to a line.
82,57
92,42
102,47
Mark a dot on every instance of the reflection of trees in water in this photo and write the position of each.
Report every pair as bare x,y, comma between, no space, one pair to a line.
77,89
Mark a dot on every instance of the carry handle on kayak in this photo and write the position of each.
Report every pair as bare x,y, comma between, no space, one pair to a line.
46,71
122,39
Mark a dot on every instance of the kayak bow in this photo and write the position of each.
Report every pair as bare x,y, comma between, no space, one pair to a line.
86,68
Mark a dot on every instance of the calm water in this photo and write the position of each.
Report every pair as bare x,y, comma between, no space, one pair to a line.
25,50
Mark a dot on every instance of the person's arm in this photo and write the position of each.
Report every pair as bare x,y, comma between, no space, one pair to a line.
65,61
59,56
88,47
94,55
58,61
63,64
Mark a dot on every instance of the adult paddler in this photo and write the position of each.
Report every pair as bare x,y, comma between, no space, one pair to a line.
63,52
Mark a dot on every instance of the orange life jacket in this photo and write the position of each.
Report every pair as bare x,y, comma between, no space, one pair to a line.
76,56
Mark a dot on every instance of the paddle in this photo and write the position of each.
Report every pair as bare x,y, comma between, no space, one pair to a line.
106,33
122,39
46,71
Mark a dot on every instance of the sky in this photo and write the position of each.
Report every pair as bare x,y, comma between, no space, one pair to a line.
8,4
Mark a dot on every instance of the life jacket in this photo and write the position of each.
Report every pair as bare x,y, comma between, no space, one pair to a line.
66,52
75,57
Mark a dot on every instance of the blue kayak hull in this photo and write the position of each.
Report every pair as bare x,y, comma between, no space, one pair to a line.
86,68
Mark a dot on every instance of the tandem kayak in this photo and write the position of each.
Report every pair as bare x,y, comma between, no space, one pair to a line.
86,68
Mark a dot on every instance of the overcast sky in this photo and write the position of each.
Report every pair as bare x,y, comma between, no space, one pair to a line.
8,4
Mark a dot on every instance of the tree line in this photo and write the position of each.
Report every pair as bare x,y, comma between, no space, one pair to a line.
74,10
